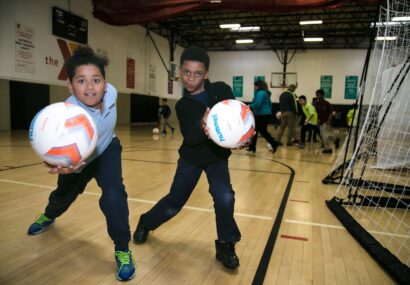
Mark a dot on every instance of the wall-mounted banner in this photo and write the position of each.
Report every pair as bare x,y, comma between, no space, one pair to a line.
326,82
130,72
24,49
151,80
237,86
351,86
170,86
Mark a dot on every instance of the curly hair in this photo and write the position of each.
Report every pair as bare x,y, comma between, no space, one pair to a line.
85,55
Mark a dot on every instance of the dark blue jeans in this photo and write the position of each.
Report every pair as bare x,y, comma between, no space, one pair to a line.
107,171
185,180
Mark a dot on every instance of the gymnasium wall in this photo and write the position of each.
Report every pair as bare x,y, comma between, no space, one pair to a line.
120,43
309,66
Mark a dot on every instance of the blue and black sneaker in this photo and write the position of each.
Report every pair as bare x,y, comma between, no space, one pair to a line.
40,225
125,265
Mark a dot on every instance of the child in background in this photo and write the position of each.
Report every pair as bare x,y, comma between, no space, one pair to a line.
311,119
165,113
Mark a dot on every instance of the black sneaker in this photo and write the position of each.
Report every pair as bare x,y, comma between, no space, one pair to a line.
141,232
251,149
275,146
300,145
328,150
337,143
225,252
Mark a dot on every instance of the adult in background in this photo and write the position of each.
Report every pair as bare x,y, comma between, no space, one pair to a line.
325,112
262,109
288,108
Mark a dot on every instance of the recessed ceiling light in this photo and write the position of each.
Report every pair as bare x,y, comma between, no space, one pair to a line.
387,24
311,22
389,38
402,18
313,39
246,29
229,26
245,41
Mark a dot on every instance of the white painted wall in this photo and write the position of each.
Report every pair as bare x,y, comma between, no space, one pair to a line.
309,65
118,43
132,41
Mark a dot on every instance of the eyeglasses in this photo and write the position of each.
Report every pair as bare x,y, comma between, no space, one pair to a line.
197,74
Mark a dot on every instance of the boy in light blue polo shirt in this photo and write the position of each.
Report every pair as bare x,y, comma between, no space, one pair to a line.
90,91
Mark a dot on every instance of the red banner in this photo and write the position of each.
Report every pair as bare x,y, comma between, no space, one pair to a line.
130,73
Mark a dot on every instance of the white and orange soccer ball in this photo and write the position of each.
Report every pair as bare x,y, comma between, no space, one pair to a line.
231,123
63,134
155,131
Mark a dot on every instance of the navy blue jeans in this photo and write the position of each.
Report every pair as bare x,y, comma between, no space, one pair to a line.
185,180
107,171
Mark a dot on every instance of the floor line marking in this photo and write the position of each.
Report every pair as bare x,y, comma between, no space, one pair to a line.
143,201
342,228
301,201
294,237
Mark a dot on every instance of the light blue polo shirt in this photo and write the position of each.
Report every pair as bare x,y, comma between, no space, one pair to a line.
104,120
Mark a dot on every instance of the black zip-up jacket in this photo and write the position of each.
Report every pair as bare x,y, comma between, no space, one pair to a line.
197,149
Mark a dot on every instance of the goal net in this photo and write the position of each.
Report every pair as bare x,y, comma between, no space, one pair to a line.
373,198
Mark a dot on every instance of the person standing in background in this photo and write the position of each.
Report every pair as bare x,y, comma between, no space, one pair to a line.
325,112
165,113
262,109
310,122
288,109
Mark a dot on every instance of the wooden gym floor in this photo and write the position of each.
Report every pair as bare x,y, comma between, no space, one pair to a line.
311,246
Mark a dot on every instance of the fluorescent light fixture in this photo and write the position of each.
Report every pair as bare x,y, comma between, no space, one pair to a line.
391,38
216,1
247,41
246,29
313,39
311,22
387,24
229,26
401,19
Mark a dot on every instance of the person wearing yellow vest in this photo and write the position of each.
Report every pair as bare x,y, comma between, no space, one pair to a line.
311,120
352,113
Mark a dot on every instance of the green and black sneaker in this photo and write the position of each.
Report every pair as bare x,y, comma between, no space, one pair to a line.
40,225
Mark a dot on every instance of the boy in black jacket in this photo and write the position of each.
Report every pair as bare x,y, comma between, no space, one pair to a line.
165,113
198,153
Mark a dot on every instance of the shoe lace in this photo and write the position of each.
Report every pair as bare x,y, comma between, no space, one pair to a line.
123,256
42,219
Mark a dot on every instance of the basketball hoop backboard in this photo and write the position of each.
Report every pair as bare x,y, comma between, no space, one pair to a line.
283,79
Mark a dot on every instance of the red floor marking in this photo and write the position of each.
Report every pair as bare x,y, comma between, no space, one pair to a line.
302,201
293,237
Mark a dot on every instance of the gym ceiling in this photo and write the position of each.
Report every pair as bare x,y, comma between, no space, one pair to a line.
345,24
